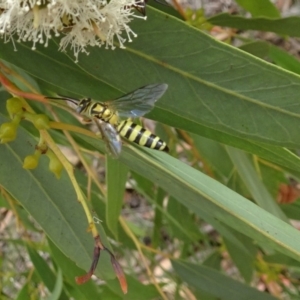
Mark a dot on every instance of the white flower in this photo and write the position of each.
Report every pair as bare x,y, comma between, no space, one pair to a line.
81,22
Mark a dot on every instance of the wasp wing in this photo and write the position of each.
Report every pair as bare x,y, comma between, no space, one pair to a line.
110,136
138,102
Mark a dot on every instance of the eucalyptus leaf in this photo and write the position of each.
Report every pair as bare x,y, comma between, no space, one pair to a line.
211,200
285,26
52,203
216,283
212,86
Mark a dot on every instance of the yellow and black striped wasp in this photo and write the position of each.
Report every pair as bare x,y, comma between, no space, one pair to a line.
107,116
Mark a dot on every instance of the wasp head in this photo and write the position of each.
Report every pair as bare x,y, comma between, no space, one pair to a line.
83,105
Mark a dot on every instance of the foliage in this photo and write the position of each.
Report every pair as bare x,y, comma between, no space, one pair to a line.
231,122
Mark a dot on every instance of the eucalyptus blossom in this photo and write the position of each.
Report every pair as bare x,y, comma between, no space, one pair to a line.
79,23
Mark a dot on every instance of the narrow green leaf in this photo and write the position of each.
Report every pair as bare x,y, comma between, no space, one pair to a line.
255,186
278,258
211,200
272,178
292,210
158,218
284,59
286,26
244,260
215,283
278,155
145,186
116,175
259,49
57,288
24,292
214,157
189,231
213,261
260,8
45,273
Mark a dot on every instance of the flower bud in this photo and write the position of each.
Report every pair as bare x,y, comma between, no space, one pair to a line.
14,106
41,121
31,162
8,132
55,166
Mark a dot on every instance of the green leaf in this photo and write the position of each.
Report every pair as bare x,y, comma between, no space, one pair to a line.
213,261
49,201
214,158
212,86
280,57
255,186
284,59
285,26
116,175
215,283
57,288
292,210
189,231
42,268
260,49
158,219
278,155
24,292
281,259
211,200
244,260
260,8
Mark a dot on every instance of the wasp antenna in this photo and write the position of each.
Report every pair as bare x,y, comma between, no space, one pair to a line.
65,98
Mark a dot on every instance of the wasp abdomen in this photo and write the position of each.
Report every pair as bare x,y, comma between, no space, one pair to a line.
139,135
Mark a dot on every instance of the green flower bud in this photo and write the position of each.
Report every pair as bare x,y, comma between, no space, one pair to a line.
14,106
55,166
8,132
31,162
40,121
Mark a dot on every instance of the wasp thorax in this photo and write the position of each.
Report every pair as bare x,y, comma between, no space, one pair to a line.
107,113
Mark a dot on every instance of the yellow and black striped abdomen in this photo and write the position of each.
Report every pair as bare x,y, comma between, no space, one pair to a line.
137,134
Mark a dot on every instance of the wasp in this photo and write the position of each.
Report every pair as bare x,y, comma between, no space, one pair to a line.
107,117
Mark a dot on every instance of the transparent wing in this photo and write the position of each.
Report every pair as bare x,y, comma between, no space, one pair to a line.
138,102
110,136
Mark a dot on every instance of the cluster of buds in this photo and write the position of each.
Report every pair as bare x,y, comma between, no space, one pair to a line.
82,22
8,132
